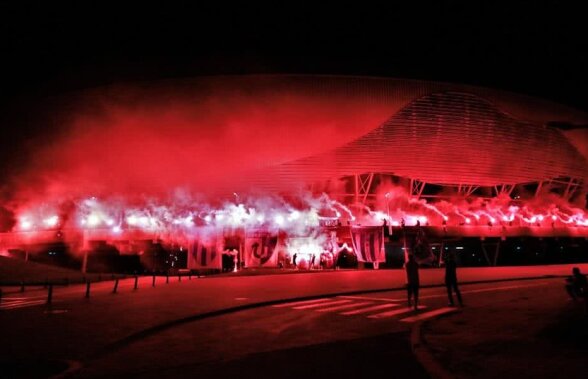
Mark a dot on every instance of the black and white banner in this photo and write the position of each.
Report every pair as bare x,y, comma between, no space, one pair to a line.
205,254
260,249
368,243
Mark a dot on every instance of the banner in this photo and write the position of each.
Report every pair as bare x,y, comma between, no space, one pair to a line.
260,249
368,243
205,254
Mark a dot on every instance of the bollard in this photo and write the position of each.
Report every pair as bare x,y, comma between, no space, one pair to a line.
87,290
153,281
115,285
50,294
166,278
136,282
46,283
22,286
179,278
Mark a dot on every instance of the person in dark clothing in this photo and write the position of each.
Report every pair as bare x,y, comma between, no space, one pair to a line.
294,259
577,285
451,280
412,281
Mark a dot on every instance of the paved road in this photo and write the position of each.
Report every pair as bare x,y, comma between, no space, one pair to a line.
351,335
86,330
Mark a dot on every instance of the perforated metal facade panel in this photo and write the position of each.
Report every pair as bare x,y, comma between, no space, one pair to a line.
445,138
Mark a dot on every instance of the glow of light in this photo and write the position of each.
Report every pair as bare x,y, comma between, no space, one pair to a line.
188,221
395,223
533,219
260,218
110,222
467,220
295,215
422,219
208,218
25,224
93,220
540,217
505,218
554,217
492,219
51,221
132,220
445,218
279,219
116,229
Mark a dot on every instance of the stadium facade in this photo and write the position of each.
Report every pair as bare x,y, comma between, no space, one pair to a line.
480,165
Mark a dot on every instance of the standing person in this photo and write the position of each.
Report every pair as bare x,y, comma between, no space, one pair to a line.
294,259
412,280
312,262
451,279
577,285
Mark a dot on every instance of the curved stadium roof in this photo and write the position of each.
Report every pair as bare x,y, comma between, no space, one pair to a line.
457,136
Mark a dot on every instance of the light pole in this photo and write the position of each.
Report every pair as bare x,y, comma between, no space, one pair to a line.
387,196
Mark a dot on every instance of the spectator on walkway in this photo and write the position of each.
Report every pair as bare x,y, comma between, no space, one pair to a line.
412,281
294,259
451,279
577,285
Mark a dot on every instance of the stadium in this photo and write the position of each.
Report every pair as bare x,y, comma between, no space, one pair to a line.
399,166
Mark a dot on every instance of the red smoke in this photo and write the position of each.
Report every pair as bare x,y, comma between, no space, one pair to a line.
153,140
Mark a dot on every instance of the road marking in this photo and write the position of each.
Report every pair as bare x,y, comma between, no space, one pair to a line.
301,302
16,305
395,312
426,315
345,306
322,304
369,309
477,291
367,298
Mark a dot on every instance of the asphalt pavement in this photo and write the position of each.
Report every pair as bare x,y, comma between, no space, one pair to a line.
77,329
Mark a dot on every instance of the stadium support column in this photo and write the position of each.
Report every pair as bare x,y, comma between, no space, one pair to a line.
571,187
362,185
416,188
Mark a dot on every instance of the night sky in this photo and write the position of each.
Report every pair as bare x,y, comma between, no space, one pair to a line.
50,50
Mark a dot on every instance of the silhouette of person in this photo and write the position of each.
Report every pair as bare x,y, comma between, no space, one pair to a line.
312,258
577,285
412,281
294,259
451,280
